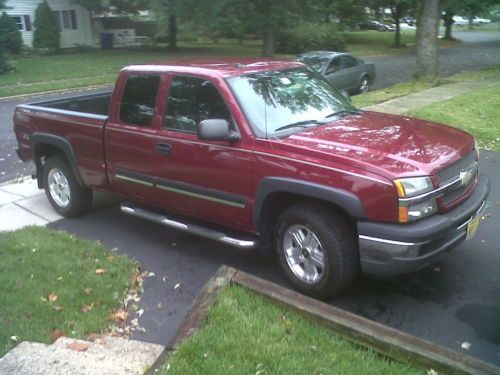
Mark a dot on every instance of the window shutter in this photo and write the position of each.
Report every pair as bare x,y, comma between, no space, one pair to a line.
27,23
73,20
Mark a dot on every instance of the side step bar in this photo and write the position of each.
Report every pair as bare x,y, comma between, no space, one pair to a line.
130,209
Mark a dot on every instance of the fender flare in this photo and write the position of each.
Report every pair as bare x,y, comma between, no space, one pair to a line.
64,146
346,200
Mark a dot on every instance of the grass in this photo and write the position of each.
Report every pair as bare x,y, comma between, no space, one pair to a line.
413,86
476,112
246,334
489,27
44,278
374,43
79,69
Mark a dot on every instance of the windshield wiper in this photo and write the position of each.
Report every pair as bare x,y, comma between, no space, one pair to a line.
298,124
344,112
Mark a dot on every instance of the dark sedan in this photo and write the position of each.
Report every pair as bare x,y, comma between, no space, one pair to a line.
342,70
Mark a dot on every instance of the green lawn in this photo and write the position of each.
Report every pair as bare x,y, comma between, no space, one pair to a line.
477,112
246,334
374,43
48,277
489,27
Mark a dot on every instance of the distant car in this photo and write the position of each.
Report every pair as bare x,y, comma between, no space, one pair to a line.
375,25
343,70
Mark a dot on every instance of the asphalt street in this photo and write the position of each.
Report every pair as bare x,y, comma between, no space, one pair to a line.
453,302
479,50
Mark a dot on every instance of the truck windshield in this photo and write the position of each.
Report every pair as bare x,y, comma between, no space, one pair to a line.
278,103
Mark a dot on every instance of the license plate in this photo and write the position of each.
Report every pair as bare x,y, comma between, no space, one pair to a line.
472,227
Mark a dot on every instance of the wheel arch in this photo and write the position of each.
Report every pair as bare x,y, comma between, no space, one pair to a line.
275,194
45,145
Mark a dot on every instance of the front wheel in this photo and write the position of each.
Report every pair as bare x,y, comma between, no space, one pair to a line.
317,250
364,85
63,191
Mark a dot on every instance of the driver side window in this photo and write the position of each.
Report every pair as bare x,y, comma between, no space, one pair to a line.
192,100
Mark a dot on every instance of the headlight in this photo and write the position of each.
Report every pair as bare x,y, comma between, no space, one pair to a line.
410,187
413,187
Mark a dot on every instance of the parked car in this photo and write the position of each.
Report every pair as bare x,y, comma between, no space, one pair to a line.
343,70
375,25
263,155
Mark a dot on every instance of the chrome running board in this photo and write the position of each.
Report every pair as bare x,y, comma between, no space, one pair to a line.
133,210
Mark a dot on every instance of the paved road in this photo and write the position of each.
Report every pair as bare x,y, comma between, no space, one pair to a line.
480,50
456,300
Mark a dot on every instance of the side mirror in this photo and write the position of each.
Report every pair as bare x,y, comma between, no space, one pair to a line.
216,130
346,95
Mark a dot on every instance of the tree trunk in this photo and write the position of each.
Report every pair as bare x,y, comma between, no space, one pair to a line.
268,45
172,32
448,24
427,39
397,35
471,20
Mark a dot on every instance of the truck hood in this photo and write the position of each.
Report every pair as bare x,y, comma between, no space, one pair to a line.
387,145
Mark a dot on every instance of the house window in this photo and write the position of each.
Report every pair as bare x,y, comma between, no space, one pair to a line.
23,22
66,19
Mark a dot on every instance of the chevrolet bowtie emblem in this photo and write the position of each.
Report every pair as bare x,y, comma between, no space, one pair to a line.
467,175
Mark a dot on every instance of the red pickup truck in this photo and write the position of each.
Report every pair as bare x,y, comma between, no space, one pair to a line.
266,156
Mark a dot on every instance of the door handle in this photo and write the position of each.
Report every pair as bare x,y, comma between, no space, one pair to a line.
163,148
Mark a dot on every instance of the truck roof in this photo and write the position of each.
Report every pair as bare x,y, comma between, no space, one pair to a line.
224,67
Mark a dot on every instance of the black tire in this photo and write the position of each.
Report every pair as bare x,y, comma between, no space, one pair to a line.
337,243
79,198
364,85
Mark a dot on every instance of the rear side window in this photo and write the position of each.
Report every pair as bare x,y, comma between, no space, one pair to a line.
349,62
192,100
139,99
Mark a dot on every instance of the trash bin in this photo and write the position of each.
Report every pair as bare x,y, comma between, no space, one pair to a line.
106,40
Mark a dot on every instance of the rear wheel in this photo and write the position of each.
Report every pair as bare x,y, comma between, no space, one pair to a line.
63,191
317,250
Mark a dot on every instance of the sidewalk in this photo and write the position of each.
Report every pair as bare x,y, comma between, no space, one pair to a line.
23,204
424,98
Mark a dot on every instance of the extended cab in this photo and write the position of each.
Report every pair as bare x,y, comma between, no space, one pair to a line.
263,155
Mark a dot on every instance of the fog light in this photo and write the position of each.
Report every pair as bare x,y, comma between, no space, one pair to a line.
421,210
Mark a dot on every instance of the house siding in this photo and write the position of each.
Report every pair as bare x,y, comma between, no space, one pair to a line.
69,38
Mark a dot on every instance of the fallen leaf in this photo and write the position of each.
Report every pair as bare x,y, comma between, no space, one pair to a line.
87,291
78,346
111,257
59,278
120,315
52,297
160,305
56,334
14,338
466,345
100,271
87,308
432,372
57,308
177,286
140,312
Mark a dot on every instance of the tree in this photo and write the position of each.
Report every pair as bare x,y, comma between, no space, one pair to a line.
348,12
10,36
427,39
46,35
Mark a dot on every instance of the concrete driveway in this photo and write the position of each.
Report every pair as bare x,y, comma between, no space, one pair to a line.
453,302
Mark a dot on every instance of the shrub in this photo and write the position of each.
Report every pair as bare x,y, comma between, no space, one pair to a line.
310,37
10,36
47,35
4,65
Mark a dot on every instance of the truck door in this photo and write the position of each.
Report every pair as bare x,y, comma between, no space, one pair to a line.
130,135
207,179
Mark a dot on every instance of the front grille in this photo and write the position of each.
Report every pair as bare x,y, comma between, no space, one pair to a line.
451,173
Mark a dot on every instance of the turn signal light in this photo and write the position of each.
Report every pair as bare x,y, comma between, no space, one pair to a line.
403,214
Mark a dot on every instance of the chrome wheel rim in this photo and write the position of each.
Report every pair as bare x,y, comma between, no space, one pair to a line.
364,85
304,254
59,188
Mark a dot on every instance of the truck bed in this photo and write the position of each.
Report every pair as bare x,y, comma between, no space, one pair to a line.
94,104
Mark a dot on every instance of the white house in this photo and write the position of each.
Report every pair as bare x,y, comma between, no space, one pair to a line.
74,20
